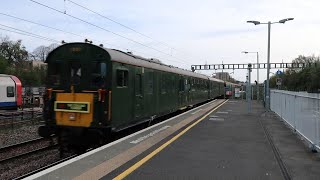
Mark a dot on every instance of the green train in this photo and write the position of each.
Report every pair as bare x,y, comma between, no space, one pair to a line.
93,92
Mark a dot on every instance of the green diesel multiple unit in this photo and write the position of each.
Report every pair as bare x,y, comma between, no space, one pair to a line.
93,91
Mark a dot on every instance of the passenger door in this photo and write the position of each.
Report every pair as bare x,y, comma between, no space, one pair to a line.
183,91
138,92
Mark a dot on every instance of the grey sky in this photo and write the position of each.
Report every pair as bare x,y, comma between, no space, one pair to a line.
196,31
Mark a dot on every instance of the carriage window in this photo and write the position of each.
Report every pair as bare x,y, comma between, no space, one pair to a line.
187,85
10,91
122,78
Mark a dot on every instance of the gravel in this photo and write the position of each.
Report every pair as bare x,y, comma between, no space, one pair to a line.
16,135
23,166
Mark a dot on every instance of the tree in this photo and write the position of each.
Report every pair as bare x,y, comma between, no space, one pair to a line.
14,61
41,52
3,65
301,79
13,51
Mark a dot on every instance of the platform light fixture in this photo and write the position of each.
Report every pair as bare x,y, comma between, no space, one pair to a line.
282,21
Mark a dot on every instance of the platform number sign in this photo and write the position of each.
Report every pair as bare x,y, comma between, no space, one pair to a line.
278,81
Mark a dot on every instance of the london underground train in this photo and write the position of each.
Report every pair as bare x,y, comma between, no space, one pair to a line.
10,92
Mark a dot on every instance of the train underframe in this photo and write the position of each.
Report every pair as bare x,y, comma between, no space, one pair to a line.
77,139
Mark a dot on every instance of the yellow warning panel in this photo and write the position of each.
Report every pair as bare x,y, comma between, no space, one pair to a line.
74,109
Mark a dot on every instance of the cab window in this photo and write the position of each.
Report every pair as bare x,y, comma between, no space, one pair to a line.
10,91
99,72
75,73
103,69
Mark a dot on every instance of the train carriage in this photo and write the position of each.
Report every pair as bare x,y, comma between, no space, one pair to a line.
230,89
93,91
10,92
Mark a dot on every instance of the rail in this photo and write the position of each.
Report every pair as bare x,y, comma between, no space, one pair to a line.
5,148
11,152
46,167
26,154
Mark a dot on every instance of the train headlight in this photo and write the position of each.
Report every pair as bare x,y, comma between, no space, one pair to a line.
72,116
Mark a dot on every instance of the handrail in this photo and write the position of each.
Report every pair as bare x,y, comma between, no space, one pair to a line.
295,94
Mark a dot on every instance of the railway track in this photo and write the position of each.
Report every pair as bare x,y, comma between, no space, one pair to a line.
45,167
24,149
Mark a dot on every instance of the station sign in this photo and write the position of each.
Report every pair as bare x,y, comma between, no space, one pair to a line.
279,72
278,81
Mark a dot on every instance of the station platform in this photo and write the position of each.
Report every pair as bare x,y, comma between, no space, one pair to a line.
212,141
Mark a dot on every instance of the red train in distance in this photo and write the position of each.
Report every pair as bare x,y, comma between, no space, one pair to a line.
10,92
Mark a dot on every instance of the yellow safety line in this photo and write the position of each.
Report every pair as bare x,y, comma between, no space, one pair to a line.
149,156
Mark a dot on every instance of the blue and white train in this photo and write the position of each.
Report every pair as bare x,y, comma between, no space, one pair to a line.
10,92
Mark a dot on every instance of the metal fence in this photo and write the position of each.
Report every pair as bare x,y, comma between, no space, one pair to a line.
301,111
12,118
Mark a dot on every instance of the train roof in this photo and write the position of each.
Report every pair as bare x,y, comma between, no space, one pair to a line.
5,75
128,58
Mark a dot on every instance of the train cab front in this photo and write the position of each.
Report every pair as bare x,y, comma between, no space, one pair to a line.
77,100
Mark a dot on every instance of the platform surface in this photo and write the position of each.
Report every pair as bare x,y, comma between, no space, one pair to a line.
101,161
228,143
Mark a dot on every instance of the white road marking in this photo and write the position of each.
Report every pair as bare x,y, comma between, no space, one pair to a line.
213,116
149,135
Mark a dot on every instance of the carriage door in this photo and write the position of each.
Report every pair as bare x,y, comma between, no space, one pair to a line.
181,89
138,91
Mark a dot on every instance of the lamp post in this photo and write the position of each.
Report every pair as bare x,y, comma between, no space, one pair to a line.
258,66
282,21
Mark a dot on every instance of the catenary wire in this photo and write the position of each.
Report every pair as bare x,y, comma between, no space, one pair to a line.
125,26
87,22
60,30
26,32
71,33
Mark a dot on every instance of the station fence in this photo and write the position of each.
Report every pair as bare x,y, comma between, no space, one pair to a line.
11,119
300,110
